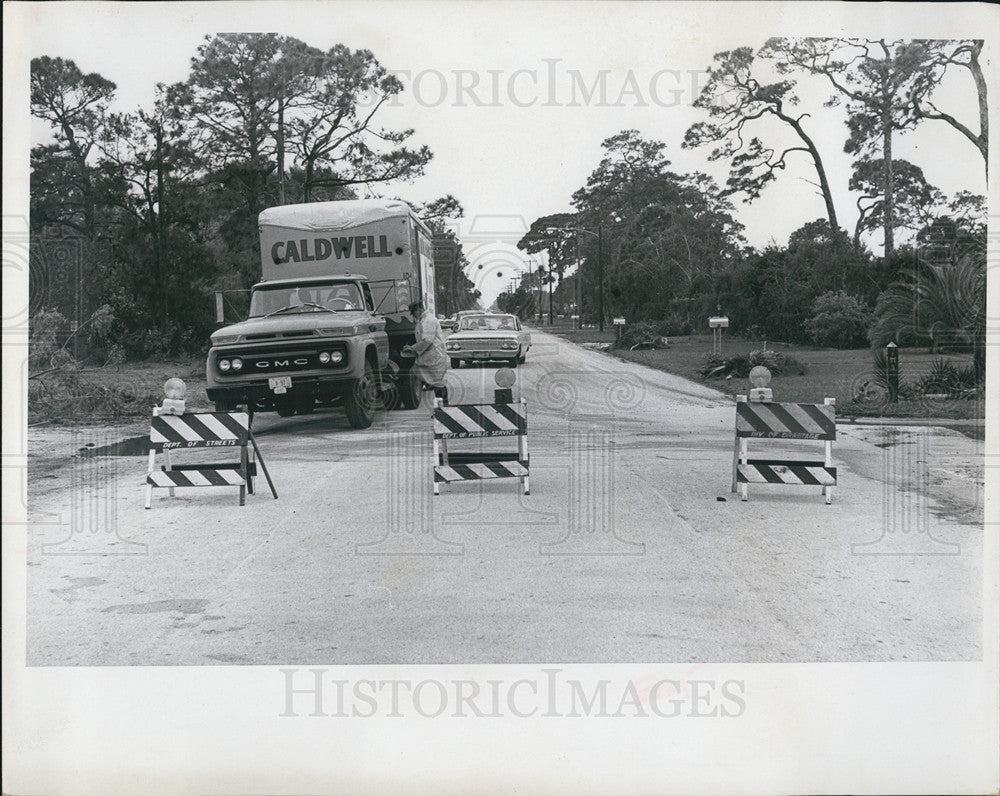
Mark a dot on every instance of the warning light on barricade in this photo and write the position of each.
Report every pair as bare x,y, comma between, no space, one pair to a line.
173,404
760,377
505,378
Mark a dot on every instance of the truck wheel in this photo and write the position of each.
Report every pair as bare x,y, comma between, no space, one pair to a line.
520,359
284,408
388,394
409,389
360,400
456,363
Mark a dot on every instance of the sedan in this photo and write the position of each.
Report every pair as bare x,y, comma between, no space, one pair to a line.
488,337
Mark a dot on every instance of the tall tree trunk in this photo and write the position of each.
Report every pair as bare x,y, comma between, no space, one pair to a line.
888,180
984,117
824,183
158,231
281,150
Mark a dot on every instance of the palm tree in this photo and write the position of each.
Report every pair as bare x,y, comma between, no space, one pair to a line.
944,302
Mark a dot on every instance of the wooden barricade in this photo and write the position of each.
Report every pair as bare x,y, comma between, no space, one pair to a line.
771,420
203,430
474,421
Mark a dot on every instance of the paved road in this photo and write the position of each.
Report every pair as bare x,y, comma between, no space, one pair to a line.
630,547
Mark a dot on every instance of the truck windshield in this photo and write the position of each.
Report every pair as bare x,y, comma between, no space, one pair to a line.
291,299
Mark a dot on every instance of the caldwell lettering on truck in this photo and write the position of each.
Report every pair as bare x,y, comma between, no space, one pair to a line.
319,249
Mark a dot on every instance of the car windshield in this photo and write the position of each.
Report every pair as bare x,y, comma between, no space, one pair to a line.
489,323
291,299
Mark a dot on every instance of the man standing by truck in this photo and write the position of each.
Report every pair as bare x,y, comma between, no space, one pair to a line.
432,361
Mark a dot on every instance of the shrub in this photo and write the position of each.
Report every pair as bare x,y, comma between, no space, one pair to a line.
777,362
642,333
839,321
945,377
719,367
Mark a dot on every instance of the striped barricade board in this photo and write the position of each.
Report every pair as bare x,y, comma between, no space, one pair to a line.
784,421
172,433
476,421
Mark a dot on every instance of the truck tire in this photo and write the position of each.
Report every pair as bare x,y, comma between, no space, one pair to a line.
388,394
359,402
456,363
409,389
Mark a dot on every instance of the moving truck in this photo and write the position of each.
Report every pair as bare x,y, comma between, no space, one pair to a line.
329,318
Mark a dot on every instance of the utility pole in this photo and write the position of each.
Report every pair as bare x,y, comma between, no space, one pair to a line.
600,276
550,298
541,291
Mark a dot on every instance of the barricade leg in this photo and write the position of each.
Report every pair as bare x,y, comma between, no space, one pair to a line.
258,456
828,461
248,475
736,460
437,458
744,487
244,471
149,472
170,466
522,452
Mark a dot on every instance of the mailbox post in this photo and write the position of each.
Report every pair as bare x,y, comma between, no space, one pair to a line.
892,365
717,323
620,326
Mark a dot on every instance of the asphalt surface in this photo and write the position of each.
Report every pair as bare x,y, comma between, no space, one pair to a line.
629,548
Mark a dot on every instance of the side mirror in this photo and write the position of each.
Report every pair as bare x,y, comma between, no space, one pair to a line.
220,311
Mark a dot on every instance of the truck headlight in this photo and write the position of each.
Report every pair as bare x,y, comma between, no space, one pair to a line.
508,344
453,346
324,357
224,365
237,364
336,356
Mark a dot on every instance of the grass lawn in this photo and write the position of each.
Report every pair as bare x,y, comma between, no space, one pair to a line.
830,373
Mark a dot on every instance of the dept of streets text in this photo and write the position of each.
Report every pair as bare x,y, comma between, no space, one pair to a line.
316,692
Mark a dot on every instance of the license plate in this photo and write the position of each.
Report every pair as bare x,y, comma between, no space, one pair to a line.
482,355
279,384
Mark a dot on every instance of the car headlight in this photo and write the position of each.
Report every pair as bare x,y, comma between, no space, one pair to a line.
336,356
237,364
224,365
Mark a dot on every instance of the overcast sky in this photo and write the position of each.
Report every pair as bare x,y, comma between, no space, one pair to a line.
494,89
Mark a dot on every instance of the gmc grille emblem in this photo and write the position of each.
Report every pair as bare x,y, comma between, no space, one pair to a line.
282,363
